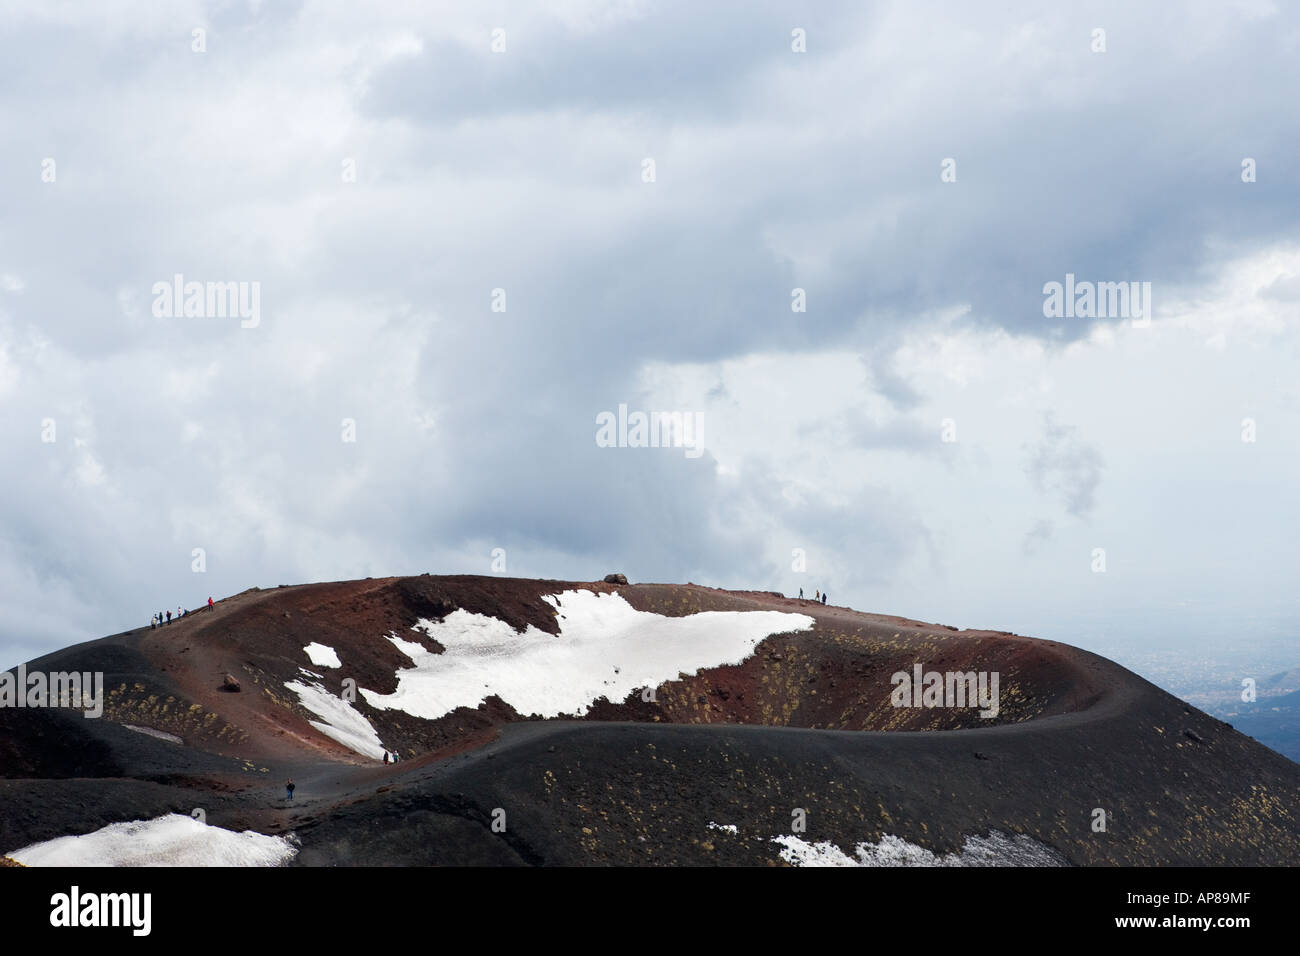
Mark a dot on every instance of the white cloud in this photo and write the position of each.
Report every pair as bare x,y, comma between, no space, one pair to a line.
521,171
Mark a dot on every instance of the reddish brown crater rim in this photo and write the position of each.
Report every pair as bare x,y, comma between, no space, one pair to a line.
834,676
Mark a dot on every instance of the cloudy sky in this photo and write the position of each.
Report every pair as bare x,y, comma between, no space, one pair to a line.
472,228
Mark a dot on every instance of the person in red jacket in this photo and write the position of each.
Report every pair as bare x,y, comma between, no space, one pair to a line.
209,602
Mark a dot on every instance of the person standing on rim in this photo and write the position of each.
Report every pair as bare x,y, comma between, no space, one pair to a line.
289,787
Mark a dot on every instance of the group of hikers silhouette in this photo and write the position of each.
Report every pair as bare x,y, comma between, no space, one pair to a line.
165,617
819,596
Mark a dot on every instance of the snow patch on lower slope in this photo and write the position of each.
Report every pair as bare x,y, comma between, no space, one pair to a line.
169,840
996,849
160,734
605,648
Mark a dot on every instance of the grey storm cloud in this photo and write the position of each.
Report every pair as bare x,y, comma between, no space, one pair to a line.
1070,469
681,58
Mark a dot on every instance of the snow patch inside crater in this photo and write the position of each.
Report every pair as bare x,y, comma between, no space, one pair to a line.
605,648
